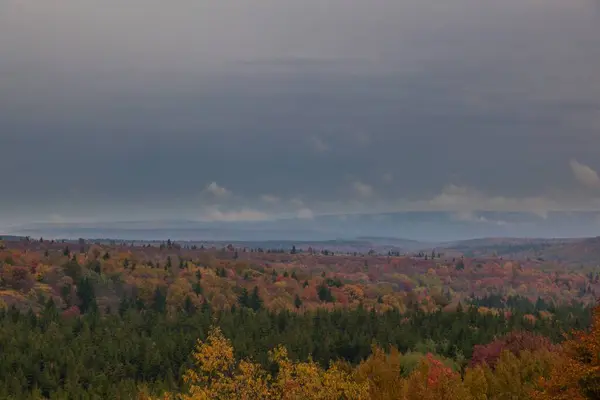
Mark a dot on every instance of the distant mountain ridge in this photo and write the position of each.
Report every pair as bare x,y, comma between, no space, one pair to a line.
569,251
430,227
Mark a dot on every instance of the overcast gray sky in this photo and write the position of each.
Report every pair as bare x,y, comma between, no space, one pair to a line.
234,110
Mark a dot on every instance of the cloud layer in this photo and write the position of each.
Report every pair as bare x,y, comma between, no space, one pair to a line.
232,111
585,175
216,190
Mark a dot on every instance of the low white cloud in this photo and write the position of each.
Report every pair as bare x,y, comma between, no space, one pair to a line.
470,216
461,198
585,175
388,177
269,198
243,215
363,189
216,190
305,213
466,203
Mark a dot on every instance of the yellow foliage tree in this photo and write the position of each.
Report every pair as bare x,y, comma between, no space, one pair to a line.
475,382
177,292
383,372
218,376
213,376
306,380
515,377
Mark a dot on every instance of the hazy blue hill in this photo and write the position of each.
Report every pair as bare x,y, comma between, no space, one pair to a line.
11,238
429,227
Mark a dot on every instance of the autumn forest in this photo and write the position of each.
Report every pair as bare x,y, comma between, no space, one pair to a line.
83,319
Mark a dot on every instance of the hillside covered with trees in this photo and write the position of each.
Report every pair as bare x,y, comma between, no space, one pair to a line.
87,320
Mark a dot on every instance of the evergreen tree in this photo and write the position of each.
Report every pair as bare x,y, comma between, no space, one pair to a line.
73,269
159,303
86,295
197,287
324,294
188,306
297,302
255,302
244,298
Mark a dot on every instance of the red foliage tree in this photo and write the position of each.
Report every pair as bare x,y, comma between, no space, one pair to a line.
514,342
437,370
71,312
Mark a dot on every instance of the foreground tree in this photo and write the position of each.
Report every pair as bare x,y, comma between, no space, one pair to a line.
217,375
577,375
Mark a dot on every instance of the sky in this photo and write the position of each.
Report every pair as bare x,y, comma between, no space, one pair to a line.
246,111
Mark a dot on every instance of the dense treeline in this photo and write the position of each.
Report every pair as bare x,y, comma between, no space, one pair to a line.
520,366
521,303
110,356
81,275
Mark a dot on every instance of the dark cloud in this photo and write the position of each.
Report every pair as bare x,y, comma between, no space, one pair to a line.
111,110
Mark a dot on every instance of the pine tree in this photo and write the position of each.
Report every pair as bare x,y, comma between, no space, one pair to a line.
86,295
297,302
255,301
188,306
324,294
244,298
160,301
197,287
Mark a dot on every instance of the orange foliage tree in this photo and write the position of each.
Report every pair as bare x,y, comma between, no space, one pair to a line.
577,375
